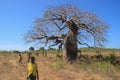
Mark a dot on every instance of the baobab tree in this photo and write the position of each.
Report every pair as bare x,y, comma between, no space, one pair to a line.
67,26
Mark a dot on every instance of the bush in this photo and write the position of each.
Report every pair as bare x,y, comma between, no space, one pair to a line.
59,55
112,57
57,65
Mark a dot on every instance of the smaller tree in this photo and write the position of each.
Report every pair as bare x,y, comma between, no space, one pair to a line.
43,51
16,51
41,48
31,49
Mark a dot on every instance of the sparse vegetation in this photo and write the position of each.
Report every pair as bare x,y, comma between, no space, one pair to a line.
104,65
57,64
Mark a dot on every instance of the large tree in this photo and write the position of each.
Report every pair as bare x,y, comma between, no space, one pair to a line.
67,26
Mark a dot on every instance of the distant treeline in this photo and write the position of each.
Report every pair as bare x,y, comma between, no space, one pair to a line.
52,50
96,50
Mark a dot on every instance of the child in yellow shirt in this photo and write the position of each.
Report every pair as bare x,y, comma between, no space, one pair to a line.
32,70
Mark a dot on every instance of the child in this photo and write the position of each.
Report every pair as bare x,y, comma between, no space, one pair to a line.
20,59
32,70
29,56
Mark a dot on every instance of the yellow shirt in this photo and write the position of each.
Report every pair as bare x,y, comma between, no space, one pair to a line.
32,69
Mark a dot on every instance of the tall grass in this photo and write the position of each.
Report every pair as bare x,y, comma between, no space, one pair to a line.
102,68
57,65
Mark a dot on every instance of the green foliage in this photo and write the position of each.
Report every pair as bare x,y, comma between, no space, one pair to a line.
111,57
52,51
16,51
59,56
79,50
83,65
99,57
103,65
97,50
31,48
95,66
42,48
26,52
58,64
102,68
5,52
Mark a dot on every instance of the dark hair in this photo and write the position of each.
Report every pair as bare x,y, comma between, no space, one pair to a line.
32,59
19,54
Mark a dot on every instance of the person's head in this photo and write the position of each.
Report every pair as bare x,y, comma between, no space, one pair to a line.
19,54
32,59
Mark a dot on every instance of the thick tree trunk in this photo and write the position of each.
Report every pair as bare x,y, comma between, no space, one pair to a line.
70,46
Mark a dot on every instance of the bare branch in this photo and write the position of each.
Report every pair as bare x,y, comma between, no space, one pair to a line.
56,42
83,44
65,19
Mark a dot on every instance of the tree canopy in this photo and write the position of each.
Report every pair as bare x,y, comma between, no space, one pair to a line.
31,48
58,21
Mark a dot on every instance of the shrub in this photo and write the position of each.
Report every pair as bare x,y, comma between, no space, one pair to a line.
112,57
59,55
57,65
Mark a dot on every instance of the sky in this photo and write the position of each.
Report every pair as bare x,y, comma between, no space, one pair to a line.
17,16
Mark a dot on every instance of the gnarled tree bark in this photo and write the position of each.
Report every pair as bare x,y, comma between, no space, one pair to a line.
70,46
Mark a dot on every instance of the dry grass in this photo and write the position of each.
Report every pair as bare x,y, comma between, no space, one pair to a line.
51,68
